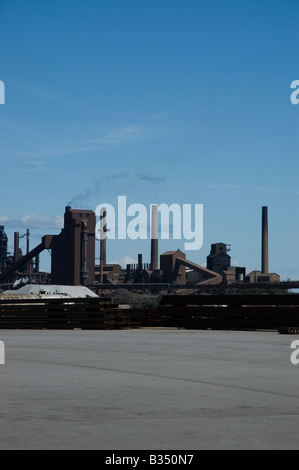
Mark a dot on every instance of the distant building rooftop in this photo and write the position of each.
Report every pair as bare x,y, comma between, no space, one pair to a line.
52,291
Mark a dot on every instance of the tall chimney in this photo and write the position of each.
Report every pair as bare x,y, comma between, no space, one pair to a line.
103,247
27,241
154,239
265,248
84,241
140,264
104,231
16,247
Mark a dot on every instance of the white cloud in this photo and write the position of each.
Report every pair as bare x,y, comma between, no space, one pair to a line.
67,146
4,220
33,221
245,187
124,261
37,221
235,263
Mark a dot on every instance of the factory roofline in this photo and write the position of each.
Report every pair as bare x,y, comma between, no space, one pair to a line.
52,291
257,271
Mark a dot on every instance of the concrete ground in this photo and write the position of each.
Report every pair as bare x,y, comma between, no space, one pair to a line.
148,390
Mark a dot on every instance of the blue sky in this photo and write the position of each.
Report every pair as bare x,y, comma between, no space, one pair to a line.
162,101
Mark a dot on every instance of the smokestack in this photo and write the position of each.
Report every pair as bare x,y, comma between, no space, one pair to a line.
265,247
29,264
28,241
154,239
104,231
84,240
16,247
140,264
103,249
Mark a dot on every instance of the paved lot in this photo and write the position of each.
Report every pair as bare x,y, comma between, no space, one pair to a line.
148,389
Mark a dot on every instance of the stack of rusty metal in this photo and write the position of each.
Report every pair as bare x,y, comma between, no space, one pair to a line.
65,313
265,312
153,318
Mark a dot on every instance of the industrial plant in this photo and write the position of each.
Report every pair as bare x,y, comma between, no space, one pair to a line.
73,261
168,291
